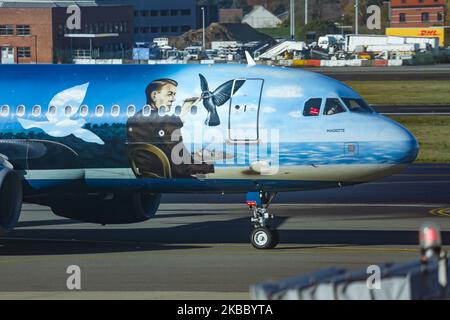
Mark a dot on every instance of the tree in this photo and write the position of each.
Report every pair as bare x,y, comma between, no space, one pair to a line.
322,27
447,16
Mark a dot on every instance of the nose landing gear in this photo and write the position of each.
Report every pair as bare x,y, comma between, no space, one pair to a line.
263,236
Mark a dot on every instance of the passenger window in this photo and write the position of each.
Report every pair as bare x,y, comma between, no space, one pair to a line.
177,110
333,106
312,107
162,110
194,110
20,112
4,111
146,110
84,110
99,111
131,110
115,110
357,105
52,110
36,111
68,111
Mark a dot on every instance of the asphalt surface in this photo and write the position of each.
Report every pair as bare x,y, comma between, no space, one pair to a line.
404,73
202,251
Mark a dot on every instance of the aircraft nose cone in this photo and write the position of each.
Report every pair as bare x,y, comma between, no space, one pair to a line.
402,144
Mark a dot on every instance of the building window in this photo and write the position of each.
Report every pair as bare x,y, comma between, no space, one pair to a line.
23,30
174,29
24,52
164,13
402,17
425,17
155,29
185,28
440,16
164,29
154,13
174,13
144,13
6,30
186,12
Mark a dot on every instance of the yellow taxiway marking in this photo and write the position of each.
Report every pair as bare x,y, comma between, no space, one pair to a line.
441,212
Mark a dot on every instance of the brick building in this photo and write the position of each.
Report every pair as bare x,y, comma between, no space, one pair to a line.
417,13
37,32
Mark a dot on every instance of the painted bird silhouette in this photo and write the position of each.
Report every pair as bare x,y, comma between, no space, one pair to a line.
58,124
212,100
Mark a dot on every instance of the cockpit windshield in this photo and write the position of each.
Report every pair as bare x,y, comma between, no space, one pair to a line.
333,106
357,105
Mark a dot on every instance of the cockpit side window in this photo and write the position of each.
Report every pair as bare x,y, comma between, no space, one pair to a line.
357,105
333,106
312,107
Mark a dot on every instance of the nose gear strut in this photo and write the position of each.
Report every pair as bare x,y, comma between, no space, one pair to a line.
263,236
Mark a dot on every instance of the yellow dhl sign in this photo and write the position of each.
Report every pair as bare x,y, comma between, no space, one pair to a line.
442,33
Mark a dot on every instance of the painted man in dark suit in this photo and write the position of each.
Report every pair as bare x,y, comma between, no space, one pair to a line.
163,131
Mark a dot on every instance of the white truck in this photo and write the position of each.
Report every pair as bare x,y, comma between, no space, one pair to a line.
354,43
326,42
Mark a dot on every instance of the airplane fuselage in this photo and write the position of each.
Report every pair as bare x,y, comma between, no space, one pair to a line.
163,129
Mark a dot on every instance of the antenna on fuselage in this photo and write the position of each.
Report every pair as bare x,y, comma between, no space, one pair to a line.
250,61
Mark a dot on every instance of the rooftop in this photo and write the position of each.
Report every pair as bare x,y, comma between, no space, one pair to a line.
46,3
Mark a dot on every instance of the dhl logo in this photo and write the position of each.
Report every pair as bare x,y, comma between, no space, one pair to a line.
429,33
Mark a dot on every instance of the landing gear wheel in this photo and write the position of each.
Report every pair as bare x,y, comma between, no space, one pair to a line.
276,236
264,238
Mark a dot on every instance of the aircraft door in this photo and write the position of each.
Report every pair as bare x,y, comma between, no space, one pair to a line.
244,112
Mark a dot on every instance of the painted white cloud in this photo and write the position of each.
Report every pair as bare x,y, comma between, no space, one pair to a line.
269,110
58,125
70,97
285,92
295,114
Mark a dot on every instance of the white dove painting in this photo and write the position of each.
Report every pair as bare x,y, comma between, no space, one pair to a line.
61,125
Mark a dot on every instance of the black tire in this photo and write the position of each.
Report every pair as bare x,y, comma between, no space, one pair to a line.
264,238
276,236
10,200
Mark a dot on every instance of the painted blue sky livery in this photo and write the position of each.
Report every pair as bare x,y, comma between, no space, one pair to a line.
101,143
